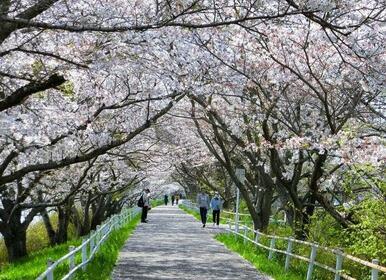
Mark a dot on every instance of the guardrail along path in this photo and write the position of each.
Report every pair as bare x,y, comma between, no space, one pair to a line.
173,245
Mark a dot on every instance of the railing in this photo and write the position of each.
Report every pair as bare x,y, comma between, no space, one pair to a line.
89,246
194,207
254,236
190,205
271,220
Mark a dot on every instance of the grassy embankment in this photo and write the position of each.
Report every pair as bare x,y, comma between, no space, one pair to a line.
37,239
258,256
33,265
104,261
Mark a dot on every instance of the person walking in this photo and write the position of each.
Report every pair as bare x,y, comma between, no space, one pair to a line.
173,199
166,199
177,198
146,205
216,205
203,204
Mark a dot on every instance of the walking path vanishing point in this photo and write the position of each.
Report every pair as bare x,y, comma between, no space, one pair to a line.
173,245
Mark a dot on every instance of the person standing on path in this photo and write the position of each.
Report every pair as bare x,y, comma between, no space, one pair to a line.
146,205
177,198
172,199
166,199
216,204
203,204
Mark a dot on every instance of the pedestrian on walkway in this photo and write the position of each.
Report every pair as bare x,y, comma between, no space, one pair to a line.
173,199
203,204
216,205
177,198
166,199
146,205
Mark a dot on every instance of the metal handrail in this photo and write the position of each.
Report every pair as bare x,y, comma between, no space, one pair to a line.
94,241
375,267
340,255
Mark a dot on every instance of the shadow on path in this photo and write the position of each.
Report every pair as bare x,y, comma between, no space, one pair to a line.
173,245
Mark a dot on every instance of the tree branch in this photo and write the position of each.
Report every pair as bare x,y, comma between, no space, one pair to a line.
22,93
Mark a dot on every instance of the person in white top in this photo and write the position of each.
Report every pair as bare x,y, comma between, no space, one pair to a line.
216,205
203,204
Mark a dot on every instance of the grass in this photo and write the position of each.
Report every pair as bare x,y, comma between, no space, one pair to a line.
37,239
99,268
259,259
30,267
103,263
192,212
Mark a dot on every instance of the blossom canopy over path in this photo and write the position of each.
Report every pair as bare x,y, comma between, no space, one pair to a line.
99,99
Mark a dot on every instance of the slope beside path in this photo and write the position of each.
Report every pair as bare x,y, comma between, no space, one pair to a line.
173,245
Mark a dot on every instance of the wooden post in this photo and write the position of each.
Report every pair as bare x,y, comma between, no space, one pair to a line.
311,263
84,253
374,271
339,263
271,246
287,256
50,274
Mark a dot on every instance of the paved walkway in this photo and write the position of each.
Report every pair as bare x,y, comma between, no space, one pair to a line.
173,245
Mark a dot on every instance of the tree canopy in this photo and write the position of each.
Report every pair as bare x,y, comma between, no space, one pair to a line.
98,98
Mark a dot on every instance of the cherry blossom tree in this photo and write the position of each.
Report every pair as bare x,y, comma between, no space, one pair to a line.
291,90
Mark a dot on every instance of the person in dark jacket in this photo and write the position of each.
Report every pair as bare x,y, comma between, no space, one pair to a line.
166,199
173,199
146,205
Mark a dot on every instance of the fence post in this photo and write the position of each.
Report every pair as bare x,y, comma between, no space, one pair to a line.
113,225
50,274
311,263
245,234
339,263
374,271
98,233
287,256
92,242
71,259
107,229
257,236
271,246
84,253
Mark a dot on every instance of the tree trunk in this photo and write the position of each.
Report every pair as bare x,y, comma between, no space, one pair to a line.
263,207
98,211
15,240
49,228
63,222
13,230
228,195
